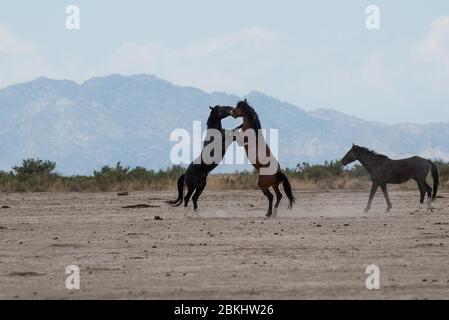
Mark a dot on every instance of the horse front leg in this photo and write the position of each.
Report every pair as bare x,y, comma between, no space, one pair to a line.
374,188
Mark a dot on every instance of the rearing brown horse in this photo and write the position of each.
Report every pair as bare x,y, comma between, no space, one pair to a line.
266,164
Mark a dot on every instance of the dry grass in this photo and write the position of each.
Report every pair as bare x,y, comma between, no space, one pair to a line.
249,181
34,176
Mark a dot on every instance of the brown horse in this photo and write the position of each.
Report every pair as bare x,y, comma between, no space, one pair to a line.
264,162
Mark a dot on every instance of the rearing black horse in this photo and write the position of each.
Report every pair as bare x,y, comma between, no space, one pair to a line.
383,170
195,177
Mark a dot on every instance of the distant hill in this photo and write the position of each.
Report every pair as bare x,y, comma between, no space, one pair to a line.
129,119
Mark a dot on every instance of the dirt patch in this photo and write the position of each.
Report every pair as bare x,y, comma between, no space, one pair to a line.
24,274
65,245
140,206
226,250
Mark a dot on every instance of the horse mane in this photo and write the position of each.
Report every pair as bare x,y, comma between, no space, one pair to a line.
371,152
210,120
213,120
252,115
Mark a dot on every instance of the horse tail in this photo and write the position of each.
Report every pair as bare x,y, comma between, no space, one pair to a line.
287,189
178,201
436,179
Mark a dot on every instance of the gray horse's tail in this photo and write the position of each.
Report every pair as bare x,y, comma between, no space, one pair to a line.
287,189
178,201
436,179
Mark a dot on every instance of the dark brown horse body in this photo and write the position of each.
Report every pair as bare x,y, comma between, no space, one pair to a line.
383,170
195,178
267,177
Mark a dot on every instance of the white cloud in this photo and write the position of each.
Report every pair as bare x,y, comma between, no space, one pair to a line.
248,36
218,63
373,73
372,70
233,62
394,72
435,45
135,58
18,70
19,59
10,44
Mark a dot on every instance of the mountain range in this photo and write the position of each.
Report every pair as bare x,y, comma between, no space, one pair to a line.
129,119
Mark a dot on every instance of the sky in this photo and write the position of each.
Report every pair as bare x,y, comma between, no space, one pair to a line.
313,54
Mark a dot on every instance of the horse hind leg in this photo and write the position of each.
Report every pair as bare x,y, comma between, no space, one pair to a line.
422,190
387,198
197,194
188,195
278,199
429,195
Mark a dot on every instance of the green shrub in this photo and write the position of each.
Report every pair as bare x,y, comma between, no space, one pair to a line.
356,171
443,169
318,172
111,176
35,175
32,167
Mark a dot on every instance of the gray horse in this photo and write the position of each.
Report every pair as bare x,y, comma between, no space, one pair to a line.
383,170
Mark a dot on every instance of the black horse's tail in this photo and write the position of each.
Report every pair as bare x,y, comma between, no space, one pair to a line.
436,179
178,201
287,188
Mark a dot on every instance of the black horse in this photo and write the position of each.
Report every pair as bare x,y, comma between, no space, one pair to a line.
196,175
383,170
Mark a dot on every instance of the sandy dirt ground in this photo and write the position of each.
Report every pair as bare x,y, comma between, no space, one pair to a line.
320,249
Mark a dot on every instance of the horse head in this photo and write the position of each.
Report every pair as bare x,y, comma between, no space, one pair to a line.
241,109
350,156
220,112
249,115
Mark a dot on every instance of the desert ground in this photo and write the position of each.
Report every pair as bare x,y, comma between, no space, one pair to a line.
319,250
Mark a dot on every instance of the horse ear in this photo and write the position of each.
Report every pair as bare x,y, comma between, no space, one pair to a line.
211,108
246,100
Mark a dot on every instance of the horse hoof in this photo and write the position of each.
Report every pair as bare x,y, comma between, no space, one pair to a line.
275,213
366,210
267,217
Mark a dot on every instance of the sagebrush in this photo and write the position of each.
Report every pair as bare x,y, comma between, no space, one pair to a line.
36,175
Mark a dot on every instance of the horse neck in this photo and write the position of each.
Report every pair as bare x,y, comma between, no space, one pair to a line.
368,161
247,124
260,143
214,123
